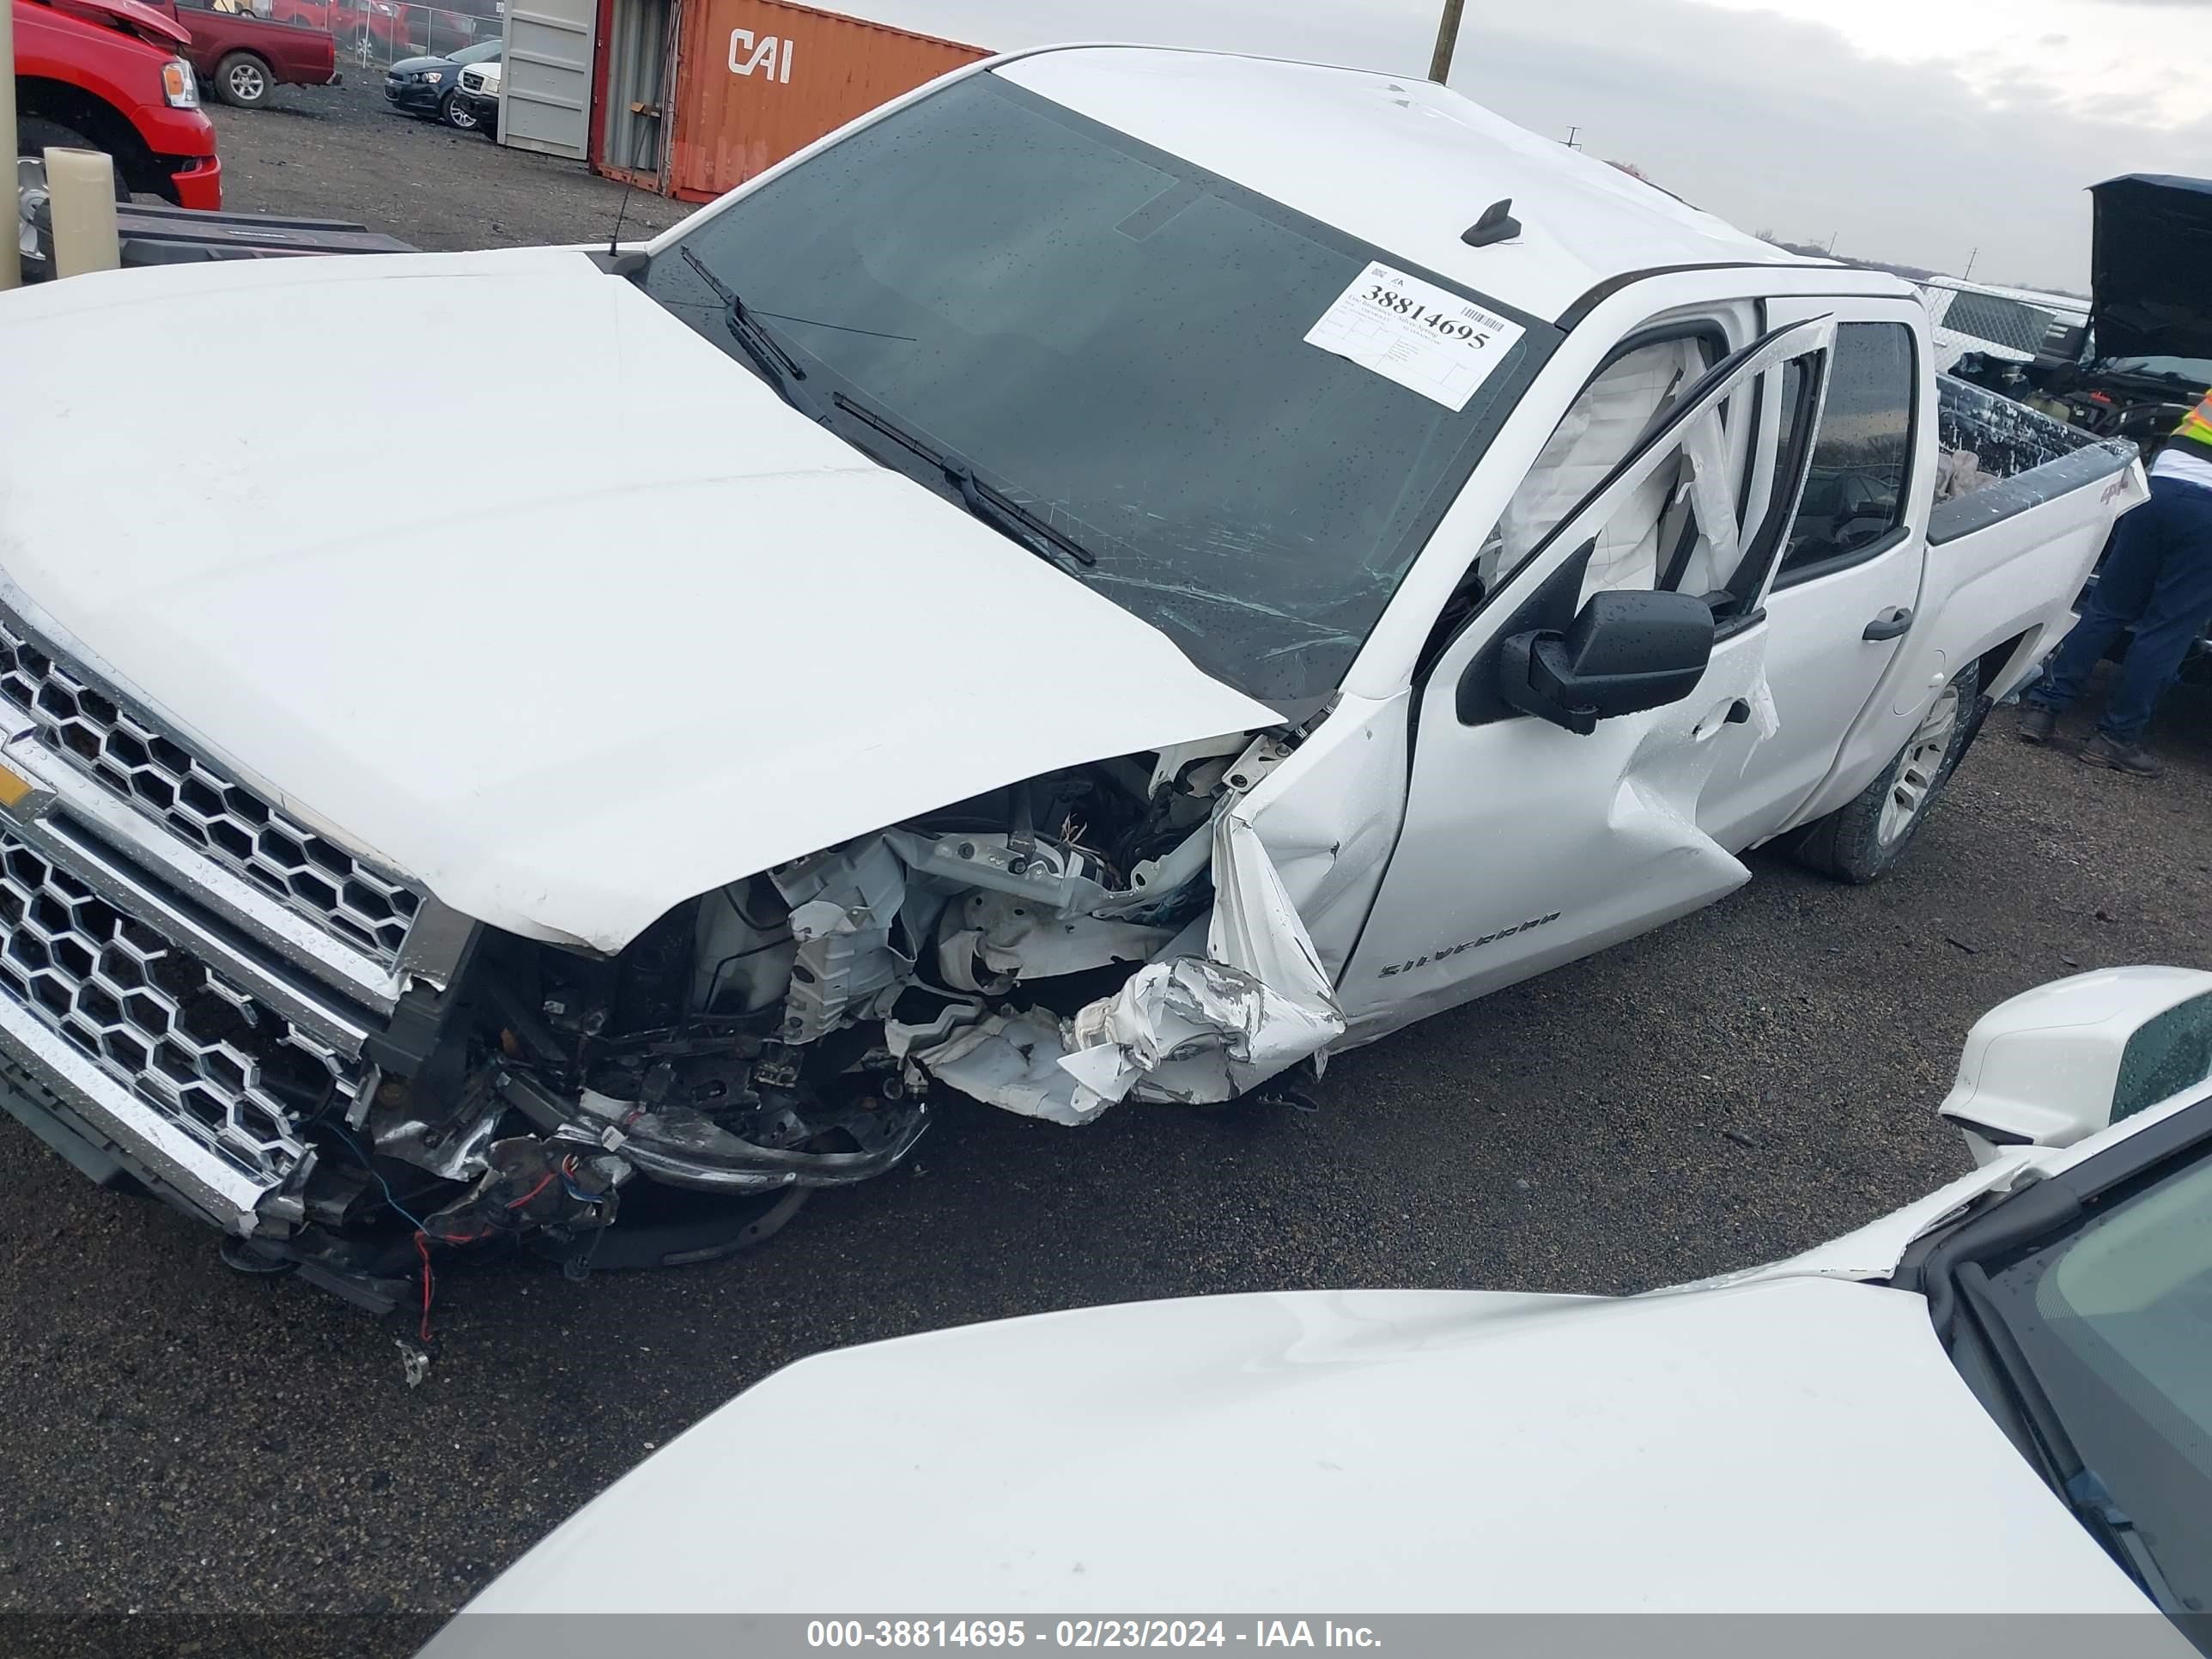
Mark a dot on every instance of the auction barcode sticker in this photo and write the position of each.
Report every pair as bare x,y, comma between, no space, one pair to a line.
1426,338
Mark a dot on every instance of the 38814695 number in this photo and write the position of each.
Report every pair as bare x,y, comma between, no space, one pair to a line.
1404,305
917,1634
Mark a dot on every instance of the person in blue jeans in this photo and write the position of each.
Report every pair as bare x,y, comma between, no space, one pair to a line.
2157,578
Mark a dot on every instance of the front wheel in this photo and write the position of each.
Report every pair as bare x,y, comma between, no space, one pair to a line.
1862,840
244,80
35,135
455,113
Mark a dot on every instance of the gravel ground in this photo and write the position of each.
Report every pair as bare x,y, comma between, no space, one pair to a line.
1741,1084
341,152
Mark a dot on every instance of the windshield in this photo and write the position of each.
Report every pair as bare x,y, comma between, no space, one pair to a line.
1113,340
477,54
2115,1321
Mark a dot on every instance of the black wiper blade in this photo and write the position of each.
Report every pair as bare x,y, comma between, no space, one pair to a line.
766,351
2082,1487
2092,1501
994,507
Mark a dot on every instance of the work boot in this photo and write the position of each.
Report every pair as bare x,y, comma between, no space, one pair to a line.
2036,723
2128,757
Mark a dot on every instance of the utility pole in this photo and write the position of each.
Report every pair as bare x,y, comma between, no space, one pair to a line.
1571,132
1831,248
1447,42
11,267
1970,258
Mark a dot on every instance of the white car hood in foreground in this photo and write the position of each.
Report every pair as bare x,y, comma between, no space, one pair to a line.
1798,1445
597,626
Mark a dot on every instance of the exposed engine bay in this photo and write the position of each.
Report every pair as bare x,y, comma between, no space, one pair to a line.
1111,932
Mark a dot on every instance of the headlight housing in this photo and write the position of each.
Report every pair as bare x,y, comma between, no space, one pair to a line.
179,89
431,78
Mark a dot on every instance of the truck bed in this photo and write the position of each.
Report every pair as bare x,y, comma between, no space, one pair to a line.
1998,457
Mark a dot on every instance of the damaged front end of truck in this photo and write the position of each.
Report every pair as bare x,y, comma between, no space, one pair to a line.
1107,932
1111,932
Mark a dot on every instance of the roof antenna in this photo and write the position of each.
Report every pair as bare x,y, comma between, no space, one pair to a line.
1496,224
639,134
614,236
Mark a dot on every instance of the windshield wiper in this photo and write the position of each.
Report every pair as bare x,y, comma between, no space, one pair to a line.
994,507
2082,1487
765,350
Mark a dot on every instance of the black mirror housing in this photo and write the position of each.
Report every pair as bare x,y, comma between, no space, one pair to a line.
1629,650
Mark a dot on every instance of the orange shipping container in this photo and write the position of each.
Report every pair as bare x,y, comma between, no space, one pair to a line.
756,80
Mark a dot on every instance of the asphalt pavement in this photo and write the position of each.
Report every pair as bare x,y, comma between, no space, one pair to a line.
1745,1082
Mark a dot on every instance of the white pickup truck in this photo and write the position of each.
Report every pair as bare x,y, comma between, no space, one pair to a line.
1108,579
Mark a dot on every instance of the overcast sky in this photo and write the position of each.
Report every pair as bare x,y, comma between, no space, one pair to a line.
1917,131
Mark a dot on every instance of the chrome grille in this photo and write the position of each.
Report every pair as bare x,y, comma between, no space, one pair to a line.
78,718
472,79
227,1070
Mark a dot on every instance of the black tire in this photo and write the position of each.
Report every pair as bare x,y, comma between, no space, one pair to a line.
245,79
450,113
35,135
1862,840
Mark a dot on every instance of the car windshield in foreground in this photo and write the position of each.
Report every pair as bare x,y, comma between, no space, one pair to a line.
1113,341
2114,1324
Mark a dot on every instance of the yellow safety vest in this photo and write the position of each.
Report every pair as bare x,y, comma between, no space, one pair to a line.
2195,432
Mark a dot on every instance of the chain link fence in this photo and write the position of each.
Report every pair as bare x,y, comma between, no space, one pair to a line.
375,32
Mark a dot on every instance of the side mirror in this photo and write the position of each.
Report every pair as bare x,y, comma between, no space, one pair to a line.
2058,1063
1628,651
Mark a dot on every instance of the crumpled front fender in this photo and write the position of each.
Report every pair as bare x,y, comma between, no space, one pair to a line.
1185,1027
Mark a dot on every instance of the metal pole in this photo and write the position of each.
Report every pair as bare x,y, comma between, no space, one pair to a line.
1447,42
1970,258
10,270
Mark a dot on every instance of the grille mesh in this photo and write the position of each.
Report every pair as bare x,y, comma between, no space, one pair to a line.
228,1070
81,720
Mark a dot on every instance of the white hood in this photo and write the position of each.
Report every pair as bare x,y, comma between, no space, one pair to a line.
594,626
1800,1445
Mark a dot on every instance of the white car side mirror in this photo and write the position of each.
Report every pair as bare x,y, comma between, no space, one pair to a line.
2061,1061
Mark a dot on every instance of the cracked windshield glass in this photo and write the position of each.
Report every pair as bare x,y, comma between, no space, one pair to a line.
1113,343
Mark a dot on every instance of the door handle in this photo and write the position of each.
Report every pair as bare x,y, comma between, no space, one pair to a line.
1889,624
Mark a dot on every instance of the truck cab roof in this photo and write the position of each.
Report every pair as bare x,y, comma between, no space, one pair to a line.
1406,164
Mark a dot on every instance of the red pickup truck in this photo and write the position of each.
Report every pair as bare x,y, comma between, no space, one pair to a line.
107,74
245,49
